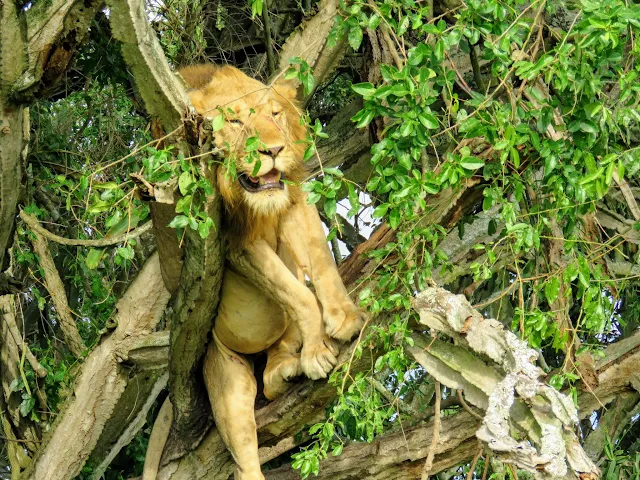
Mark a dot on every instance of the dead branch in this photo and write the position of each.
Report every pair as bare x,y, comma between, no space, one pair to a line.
508,387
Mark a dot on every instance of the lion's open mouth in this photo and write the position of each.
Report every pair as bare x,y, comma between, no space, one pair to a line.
268,181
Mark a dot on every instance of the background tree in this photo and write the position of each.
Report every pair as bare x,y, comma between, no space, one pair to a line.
488,147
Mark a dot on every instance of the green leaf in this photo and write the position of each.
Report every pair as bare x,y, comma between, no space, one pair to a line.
394,218
365,89
428,120
252,144
355,37
217,123
472,163
93,258
179,221
381,210
330,207
185,181
313,198
588,126
552,289
106,186
27,404
333,171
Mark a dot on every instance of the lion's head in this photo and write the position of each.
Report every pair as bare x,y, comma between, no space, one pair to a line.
252,109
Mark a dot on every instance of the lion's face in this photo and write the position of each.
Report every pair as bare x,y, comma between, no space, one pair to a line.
252,109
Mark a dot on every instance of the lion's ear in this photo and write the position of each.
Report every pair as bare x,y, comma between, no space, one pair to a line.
287,89
197,76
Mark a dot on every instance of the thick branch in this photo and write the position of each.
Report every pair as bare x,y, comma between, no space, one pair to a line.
165,98
508,387
399,455
163,95
309,42
102,380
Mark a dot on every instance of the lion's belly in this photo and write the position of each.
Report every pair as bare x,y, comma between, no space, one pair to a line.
247,321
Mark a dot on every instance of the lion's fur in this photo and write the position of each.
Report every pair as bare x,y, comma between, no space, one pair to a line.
277,240
270,112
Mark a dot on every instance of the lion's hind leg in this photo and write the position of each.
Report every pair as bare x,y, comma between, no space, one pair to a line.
232,392
283,362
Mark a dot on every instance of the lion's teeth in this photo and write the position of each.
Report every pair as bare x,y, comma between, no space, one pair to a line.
261,180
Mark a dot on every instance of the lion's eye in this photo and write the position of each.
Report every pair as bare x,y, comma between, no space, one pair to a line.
235,121
277,114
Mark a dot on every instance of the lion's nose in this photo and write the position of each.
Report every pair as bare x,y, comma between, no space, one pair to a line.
273,151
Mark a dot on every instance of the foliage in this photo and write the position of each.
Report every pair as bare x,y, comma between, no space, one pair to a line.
545,132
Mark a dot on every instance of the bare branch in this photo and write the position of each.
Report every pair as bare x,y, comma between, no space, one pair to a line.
100,242
508,388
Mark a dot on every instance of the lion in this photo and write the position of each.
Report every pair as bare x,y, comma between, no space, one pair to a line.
276,241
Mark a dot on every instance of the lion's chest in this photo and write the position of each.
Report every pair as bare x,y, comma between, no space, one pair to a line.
247,321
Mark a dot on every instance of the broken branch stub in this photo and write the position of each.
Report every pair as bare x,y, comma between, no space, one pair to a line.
498,373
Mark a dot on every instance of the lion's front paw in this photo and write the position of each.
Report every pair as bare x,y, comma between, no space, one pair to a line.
343,321
317,360
278,373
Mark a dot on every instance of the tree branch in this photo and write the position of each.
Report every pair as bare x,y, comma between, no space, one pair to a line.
59,297
100,242
102,380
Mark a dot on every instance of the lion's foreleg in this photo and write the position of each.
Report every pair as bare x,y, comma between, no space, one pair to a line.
232,392
262,266
302,233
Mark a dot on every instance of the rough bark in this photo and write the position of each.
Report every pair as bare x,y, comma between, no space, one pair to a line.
527,422
55,31
36,48
165,99
55,288
14,125
309,42
163,95
102,381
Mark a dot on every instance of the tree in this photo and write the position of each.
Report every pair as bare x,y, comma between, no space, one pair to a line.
490,148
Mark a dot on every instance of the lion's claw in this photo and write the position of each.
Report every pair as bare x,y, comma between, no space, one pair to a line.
317,361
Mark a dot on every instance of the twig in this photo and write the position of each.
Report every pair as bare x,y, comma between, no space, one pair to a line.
477,76
472,467
100,242
391,398
9,318
335,247
18,440
628,195
428,464
268,42
493,299
58,296
466,406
